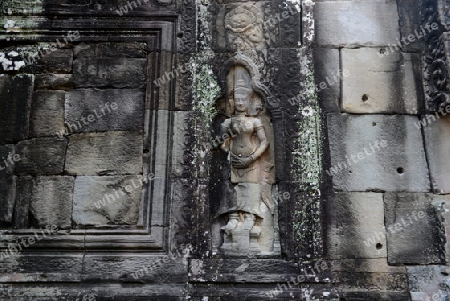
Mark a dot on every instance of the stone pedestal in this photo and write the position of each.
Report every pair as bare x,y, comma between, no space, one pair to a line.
244,238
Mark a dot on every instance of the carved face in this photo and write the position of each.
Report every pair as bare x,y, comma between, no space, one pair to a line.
240,21
241,101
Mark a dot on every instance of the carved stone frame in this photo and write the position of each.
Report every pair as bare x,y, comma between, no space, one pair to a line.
152,233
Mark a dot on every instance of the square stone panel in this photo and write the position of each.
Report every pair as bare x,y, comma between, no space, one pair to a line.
359,162
413,229
109,200
380,81
437,144
48,199
15,101
108,153
41,156
356,226
47,113
349,23
89,110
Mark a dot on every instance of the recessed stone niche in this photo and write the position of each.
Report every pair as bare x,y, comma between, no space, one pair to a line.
246,221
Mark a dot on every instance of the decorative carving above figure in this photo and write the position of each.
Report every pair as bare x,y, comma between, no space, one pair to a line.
239,28
247,218
244,26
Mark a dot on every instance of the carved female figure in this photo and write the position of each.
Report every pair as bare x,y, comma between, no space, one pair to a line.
249,175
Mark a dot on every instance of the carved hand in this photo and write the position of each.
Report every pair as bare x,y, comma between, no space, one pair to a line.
242,162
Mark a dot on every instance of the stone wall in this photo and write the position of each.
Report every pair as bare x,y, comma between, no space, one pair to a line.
385,215
110,178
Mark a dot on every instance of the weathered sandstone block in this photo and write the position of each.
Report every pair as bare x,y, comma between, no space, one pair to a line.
15,101
377,153
100,201
348,23
49,200
90,110
41,156
105,153
47,113
356,226
110,72
413,229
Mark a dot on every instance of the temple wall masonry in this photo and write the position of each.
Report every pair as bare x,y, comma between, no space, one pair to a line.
213,150
379,192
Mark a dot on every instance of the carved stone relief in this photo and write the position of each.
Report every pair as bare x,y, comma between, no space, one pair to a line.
244,27
247,216
436,75
435,58
240,28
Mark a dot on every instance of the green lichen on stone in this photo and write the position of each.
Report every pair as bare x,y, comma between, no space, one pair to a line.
205,92
308,156
14,21
309,153
14,24
20,7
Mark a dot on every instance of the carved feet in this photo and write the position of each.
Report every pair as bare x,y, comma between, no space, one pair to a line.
232,223
241,235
